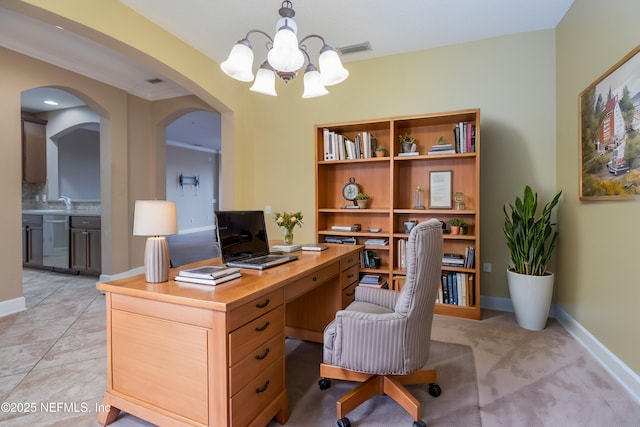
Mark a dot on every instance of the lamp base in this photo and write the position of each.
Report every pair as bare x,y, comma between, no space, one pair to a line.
156,260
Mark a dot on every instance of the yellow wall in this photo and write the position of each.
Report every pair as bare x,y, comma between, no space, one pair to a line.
529,116
598,281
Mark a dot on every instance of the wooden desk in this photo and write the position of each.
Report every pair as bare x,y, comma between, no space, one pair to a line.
196,355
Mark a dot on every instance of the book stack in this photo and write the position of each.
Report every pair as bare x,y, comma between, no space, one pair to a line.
373,280
370,260
341,239
317,247
376,242
464,134
442,149
208,275
339,147
453,260
469,259
286,248
354,227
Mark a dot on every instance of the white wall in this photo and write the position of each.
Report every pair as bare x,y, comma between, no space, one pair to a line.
194,205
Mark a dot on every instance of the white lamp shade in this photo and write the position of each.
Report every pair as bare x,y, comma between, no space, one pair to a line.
331,70
265,82
285,55
313,85
239,63
154,218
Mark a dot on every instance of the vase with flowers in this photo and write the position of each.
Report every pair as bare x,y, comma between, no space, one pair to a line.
287,221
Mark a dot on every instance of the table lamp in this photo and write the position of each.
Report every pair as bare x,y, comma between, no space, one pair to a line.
155,218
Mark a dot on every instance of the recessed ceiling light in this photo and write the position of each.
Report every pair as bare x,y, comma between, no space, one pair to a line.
50,102
59,27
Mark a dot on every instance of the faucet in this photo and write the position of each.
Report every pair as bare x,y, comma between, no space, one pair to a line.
67,201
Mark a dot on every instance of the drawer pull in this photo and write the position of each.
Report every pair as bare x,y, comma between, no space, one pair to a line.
351,293
350,276
264,388
264,304
266,325
315,279
265,354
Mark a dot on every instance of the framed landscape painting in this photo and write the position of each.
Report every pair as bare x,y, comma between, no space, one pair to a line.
610,133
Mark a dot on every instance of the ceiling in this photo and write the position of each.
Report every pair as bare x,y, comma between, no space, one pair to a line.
213,27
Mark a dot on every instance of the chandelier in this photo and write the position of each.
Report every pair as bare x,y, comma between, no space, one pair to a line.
285,57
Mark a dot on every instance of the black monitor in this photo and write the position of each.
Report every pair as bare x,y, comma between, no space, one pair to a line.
241,234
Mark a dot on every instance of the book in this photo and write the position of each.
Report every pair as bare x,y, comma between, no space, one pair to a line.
376,242
340,239
211,282
354,227
208,272
411,153
314,247
286,248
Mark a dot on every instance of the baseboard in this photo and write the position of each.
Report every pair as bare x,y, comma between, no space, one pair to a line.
12,306
616,367
123,275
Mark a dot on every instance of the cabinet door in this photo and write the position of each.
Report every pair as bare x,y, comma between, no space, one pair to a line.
94,251
78,249
32,246
34,152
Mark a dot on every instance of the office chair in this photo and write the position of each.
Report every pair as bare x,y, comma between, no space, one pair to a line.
382,339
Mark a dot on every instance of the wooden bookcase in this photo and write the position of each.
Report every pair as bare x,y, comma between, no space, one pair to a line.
391,182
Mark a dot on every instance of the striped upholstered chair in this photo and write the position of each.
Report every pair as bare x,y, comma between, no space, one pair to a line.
382,339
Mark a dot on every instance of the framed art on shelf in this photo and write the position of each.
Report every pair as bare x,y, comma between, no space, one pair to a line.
610,133
440,189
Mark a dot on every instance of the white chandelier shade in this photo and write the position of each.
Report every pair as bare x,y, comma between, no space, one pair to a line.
285,57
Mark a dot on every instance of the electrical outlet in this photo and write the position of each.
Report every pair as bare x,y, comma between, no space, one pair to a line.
267,209
486,267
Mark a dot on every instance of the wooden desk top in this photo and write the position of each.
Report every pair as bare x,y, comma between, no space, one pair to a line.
228,295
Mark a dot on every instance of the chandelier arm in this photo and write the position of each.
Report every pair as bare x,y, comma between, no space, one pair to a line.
261,32
310,36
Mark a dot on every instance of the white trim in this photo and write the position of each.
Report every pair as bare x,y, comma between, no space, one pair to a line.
123,275
12,306
616,367
192,147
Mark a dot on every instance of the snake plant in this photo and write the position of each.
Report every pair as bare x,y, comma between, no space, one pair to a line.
528,236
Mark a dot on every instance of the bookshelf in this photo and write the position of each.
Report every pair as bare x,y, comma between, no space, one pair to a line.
391,182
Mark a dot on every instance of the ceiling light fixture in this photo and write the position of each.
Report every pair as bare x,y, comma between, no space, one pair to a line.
285,57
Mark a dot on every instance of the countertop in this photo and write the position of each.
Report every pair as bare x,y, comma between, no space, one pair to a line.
72,212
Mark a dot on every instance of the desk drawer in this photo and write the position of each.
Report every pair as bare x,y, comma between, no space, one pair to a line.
350,275
254,308
255,333
255,362
310,281
349,294
349,260
260,392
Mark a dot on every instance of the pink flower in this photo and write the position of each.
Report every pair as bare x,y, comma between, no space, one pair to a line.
294,219
280,220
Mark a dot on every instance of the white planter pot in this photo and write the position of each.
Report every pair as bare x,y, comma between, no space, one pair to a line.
531,298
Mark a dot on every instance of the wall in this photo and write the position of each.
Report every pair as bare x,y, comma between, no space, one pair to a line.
598,278
79,165
194,205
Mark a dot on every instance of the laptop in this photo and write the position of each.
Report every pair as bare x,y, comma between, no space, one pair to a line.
242,236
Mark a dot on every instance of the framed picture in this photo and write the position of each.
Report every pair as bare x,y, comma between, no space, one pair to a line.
610,133
440,189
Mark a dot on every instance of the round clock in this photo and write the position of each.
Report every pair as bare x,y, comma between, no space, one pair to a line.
350,190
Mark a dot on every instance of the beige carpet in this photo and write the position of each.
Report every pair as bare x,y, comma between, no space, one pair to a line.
456,406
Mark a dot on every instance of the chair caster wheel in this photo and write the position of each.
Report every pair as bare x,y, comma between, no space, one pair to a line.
344,422
419,424
324,384
434,390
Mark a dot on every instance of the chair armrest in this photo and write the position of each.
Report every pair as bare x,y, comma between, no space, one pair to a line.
383,297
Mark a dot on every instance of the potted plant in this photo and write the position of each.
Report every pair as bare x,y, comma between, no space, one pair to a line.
407,142
456,224
531,240
381,152
362,199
